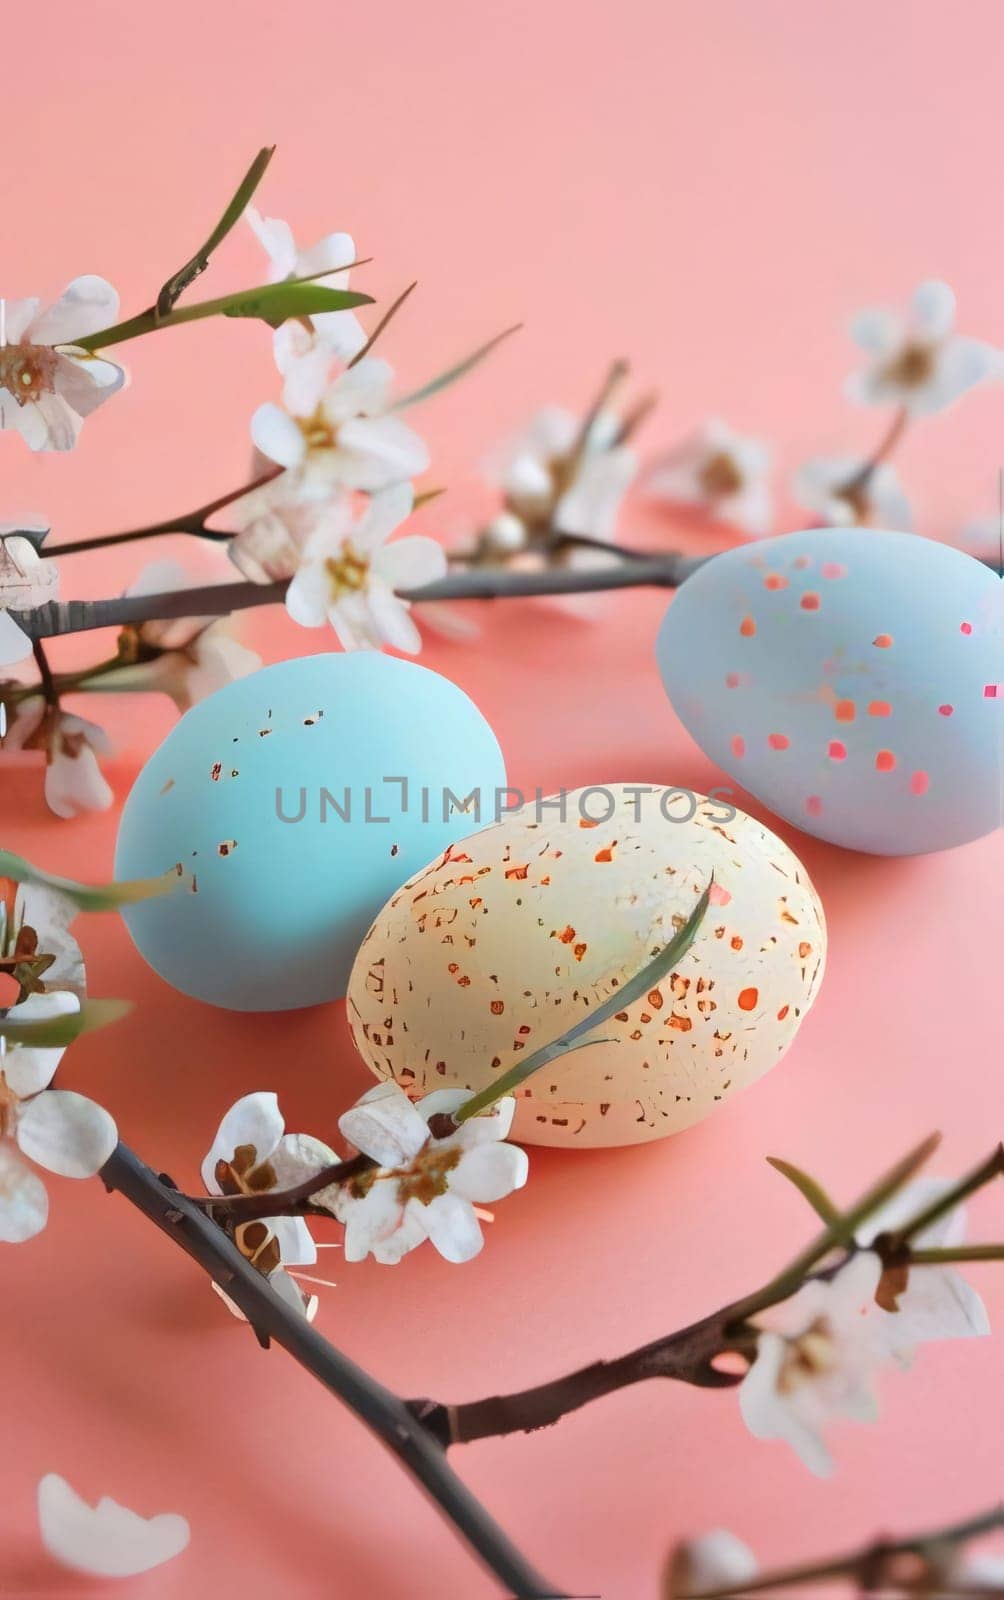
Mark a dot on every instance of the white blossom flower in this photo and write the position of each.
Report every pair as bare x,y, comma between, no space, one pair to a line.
340,432
556,481
424,1187
57,1129
715,1560
917,362
272,524
253,1154
188,658
932,1302
106,1540
48,384
815,1361
26,582
74,782
844,492
721,471
326,262
348,574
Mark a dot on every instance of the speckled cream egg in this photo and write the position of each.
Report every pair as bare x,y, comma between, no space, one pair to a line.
505,940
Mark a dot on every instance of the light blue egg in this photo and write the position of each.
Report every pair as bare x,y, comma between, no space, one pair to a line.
852,680
300,798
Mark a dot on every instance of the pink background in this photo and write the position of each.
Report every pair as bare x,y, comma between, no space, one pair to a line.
709,189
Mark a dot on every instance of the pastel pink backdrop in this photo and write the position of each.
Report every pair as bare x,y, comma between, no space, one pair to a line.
710,190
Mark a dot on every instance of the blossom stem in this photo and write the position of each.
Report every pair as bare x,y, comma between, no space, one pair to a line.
861,479
295,1202
986,1172
193,522
48,686
869,1566
382,1411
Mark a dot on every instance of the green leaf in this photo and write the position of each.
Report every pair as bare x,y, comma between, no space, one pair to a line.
451,374
621,997
186,275
91,897
808,1188
57,1032
273,303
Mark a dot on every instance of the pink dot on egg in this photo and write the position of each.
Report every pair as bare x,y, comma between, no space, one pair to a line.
810,601
775,580
739,745
834,569
814,805
919,783
732,680
837,750
801,562
778,741
965,627
717,896
945,711
879,708
885,761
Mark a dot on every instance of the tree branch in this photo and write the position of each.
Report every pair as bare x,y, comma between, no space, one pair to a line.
666,571
387,1416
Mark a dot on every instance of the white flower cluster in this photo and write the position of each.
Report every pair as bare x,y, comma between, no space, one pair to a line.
819,1351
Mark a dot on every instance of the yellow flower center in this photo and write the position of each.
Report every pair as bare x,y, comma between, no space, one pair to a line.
912,367
719,476
347,573
810,1356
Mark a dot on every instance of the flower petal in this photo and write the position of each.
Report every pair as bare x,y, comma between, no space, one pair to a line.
14,642
66,1133
411,562
392,624
309,595
86,305
295,1241
489,1172
932,310
717,1560
450,1223
276,239
277,436
106,1540
385,1125
371,1220
385,512
29,1070
374,452
361,391
253,1120
24,1203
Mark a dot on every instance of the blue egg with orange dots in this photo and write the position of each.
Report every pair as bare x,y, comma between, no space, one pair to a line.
294,802
850,679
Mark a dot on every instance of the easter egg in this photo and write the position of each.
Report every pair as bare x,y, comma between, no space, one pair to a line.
852,680
508,939
293,802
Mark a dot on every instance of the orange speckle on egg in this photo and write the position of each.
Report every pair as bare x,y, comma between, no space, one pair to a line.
748,999
738,746
517,872
775,580
579,951
736,942
566,935
837,750
804,949
879,708
607,854
845,711
882,641
497,1007
655,999
778,741
747,627
783,1013
681,1024
718,895
810,601
920,782
885,761
584,822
